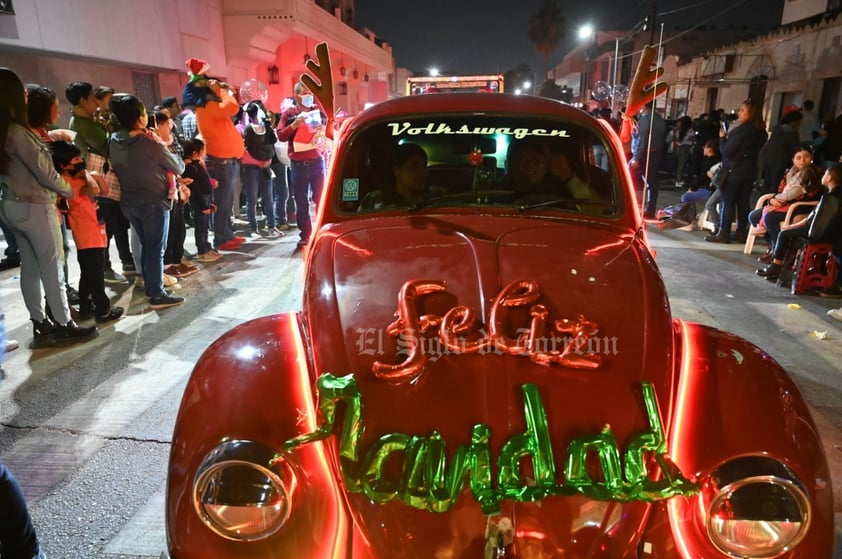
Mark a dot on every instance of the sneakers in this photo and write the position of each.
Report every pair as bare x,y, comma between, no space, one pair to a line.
165,300
832,292
11,345
9,263
113,314
835,314
285,227
42,329
303,242
272,232
73,332
114,277
129,269
85,312
208,257
771,272
169,281
180,270
72,296
229,245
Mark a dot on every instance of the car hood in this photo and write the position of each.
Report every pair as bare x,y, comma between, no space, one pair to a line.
389,284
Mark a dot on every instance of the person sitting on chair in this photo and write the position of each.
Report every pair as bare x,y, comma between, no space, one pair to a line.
822,225
801,183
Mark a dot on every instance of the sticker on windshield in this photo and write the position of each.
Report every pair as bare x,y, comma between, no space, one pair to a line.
440,128
350,190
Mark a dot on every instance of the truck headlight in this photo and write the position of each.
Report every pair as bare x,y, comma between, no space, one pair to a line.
755,507
243,491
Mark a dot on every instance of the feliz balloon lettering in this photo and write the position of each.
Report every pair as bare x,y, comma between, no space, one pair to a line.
460,332
428,481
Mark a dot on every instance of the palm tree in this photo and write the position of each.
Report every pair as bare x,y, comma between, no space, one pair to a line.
546,30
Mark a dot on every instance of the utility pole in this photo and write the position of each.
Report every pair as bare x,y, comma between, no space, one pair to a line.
652,22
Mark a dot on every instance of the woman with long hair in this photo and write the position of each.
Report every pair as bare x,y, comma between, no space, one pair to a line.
740,146
42,111
30,185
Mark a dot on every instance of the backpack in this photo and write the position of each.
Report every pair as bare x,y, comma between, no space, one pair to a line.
260,146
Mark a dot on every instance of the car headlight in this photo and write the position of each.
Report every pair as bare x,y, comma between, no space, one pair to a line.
755,507
243,490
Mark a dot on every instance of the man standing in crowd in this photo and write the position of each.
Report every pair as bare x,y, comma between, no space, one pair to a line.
647,154
224,147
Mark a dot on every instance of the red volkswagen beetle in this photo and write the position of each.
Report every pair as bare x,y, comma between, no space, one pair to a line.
485,365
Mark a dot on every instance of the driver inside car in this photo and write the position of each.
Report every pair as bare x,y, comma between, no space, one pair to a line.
409,174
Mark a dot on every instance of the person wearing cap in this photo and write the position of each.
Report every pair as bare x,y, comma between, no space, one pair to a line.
780,148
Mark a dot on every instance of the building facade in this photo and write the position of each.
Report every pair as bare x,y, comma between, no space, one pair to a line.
707,70
141,47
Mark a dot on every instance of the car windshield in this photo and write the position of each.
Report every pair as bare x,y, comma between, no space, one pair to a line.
529,164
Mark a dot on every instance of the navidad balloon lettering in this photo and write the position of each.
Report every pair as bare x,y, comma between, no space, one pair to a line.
429,482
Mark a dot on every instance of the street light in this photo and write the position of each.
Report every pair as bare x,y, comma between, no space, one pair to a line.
586,33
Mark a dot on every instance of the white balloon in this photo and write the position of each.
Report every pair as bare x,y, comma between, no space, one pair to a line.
253,90
621,92
601,91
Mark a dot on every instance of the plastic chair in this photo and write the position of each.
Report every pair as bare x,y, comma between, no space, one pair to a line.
815,268
752,232
787,220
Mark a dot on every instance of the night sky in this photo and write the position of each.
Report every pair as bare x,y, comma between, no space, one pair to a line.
490,36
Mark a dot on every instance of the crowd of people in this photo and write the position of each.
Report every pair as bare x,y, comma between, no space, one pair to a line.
723,160
140,176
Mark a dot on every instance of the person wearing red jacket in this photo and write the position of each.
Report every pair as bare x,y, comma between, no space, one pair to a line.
300,126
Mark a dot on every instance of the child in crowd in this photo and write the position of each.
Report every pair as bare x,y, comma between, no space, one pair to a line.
88,234
201,196
196,91
175,264
700,189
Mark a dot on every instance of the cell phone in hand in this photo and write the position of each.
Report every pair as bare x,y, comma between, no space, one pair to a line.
724,126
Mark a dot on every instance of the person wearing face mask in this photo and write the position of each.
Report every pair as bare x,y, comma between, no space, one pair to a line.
301,126
88,234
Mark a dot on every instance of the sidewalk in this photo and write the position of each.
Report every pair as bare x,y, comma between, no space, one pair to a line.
133,300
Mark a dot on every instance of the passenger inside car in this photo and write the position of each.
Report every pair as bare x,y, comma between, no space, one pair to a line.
527,165
564,181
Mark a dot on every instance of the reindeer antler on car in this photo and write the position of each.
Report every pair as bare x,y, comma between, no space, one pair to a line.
644,87
323,88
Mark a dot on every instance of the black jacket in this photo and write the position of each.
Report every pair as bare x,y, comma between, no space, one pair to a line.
740,149
826,219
